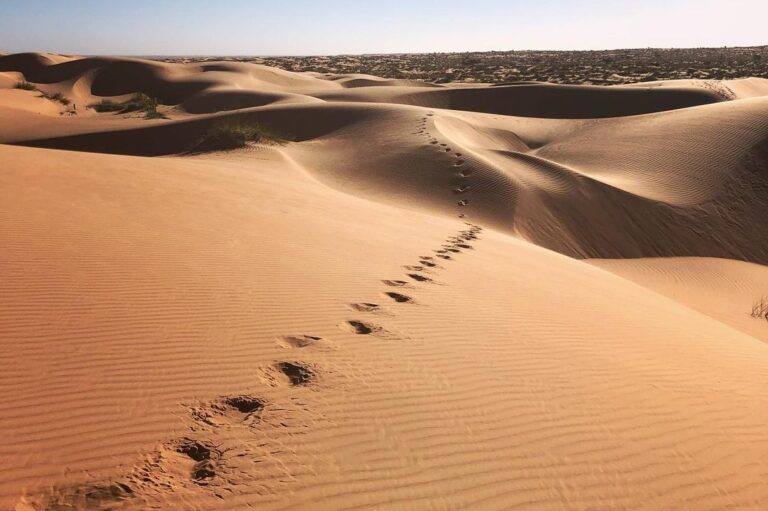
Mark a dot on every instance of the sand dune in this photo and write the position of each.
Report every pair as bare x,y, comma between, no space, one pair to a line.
390,311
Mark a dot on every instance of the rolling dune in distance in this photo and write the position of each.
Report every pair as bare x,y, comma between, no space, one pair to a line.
403,296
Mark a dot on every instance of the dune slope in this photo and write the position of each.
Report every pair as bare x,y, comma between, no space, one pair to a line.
681,182
391,308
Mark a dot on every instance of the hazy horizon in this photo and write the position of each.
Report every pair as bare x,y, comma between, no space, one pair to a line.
343,27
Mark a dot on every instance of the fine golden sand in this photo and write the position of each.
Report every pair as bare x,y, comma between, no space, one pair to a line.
428,297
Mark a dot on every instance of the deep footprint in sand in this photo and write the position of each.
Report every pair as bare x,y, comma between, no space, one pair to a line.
297,374
461,189
395,283
94,496
298,341
360,327
416,268
244,404
399,298
229,410
365,307
204,455
419,278
463,203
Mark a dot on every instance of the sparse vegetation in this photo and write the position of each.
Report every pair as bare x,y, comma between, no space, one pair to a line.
236,133
154,114
604,67
139,102
25,86
760,308
106,105
57,97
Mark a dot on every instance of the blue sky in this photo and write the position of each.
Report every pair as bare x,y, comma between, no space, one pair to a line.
304,27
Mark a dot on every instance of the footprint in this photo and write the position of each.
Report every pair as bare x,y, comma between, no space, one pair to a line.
244,404
298,341
365,307
458,163
419,278
415,268
464,202
395,283
461,189
446,257
360,327
458,154
94,496
429,264
205,457
433,142
463,245
242,408
297,374
399,298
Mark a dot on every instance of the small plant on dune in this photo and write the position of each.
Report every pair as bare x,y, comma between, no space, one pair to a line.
235,134
760,308
139,102
57,97
25,86
106,105
154,114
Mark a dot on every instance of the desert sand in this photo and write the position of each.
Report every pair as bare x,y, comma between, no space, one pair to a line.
428,297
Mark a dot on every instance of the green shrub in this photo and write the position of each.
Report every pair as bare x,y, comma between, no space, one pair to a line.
236,133
106,105
25,86
154,114
139,102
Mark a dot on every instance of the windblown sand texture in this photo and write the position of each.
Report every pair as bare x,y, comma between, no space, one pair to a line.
525,296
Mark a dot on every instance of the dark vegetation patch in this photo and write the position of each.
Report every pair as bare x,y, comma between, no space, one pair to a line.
139,102
58,97
25,86
229,134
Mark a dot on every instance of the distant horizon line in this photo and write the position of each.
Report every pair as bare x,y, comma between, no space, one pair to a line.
240,55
